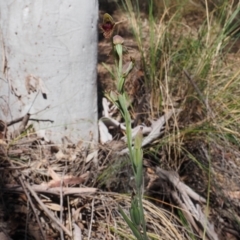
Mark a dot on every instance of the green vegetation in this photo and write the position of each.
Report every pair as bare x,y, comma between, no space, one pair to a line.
136,221
189,65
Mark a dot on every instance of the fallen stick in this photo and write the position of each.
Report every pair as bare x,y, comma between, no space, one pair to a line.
54,190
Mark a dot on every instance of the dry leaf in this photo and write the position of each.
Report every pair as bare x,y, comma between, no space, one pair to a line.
76,214
60,155
105,136
91,156
77,233
53,175
53,206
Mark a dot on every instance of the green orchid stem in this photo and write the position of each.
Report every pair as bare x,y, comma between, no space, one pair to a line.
137,221
140,197
120,67
133,155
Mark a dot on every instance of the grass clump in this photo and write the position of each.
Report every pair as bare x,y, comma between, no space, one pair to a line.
190,64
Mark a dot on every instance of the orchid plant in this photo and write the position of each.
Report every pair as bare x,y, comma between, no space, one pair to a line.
136,222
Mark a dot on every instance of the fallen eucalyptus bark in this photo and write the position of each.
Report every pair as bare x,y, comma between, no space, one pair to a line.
156,129
183,196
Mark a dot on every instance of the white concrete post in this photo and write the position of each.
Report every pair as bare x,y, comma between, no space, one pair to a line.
49,49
